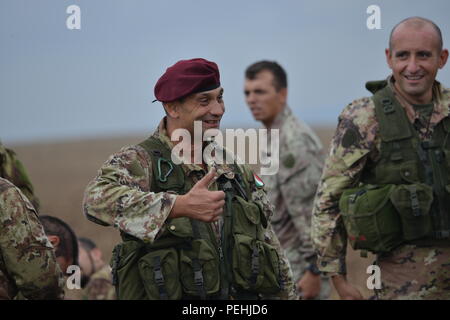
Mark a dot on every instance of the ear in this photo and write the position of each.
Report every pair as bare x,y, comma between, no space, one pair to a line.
54,240
443,58
96,254
388,54
283,95
172,109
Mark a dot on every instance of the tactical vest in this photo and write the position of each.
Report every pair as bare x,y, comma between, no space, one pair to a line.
187,261
404,196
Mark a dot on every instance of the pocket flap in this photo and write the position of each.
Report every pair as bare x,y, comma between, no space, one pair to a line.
251,210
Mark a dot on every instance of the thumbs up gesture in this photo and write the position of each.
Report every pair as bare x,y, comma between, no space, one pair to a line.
200,203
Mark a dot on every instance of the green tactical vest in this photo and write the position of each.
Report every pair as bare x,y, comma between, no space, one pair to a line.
186,261
404,196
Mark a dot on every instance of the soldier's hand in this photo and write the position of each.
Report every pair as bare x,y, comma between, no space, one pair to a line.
309,285
200,203
345,290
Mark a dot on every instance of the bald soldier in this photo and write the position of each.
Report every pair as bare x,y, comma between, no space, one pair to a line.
385,186
191,228
28,267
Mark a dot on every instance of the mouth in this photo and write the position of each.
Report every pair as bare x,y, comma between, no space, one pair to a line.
414,78
211,123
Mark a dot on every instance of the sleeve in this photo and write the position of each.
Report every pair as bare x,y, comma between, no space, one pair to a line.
298,186
352,142
27,253
120,196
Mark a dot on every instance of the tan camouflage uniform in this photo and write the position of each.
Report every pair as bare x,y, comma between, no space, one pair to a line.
120,196
292,191
100,285
28,268
409,272
13,170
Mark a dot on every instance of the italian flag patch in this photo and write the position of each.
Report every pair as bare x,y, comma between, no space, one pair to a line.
259,183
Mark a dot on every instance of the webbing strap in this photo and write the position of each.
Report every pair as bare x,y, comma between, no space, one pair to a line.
159,278
414,200
255,264
198,271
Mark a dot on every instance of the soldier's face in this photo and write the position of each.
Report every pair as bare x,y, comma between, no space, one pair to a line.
263,99
207,107
415,58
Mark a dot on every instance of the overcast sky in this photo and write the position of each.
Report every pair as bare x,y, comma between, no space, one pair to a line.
57,83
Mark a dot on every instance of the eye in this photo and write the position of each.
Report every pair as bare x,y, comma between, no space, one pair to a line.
220,98
424,54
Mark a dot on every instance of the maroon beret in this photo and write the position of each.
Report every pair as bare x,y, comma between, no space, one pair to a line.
186,77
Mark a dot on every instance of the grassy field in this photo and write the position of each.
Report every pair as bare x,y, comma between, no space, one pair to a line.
60,172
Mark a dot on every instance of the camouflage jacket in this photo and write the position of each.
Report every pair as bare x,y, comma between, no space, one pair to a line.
292,189
100,285
28,267
121,196
13,170
345,163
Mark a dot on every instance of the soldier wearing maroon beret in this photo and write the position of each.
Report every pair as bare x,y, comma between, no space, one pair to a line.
191,228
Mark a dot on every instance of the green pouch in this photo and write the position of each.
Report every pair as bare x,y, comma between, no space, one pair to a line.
125,271
207,260
255,265
371,221
413,202
248,218
160,275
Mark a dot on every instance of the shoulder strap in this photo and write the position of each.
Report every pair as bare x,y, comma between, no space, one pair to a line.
166,174
393,122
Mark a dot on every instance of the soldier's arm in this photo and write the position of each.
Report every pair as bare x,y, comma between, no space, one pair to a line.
350,147
299,190
26,251
120,195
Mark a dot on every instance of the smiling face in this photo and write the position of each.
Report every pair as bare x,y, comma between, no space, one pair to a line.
262,97
207,107
415,57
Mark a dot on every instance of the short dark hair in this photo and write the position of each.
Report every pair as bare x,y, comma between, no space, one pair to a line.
68,246
87,244
418,21
279,75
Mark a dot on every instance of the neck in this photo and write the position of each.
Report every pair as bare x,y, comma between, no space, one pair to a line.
423,99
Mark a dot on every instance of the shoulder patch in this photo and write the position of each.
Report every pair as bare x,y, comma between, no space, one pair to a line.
350,138
258,181
289,161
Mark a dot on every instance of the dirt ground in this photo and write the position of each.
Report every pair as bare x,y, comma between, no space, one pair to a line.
60,172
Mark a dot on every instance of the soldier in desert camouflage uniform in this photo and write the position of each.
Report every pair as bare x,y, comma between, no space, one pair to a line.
28,268
125,195
13,170
293,187
368,148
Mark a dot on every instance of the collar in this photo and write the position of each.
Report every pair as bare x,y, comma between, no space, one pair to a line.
209,159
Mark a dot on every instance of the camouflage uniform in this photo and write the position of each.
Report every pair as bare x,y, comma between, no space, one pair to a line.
28,268
292,191
100,285
408,272
120,196
13,170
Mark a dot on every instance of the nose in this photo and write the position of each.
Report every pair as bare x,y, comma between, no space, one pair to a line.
412,66
217,109
250,98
